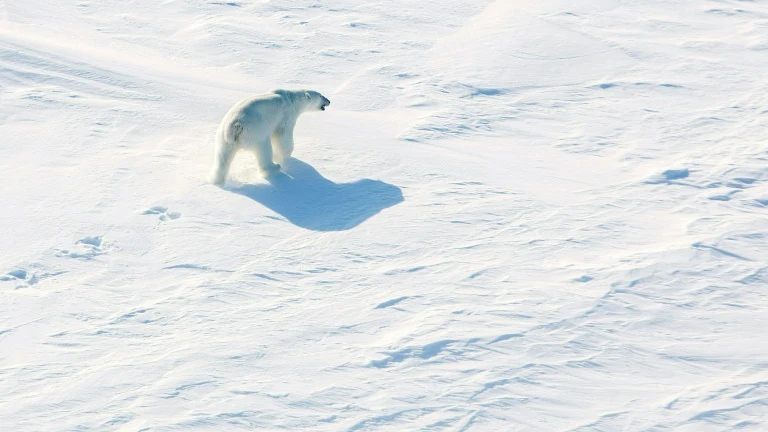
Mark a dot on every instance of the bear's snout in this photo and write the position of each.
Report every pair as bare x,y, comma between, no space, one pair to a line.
324,104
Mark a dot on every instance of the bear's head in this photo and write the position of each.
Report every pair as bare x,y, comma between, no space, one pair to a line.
314,101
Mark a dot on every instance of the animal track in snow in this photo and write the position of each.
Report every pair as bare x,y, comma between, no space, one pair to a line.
14,275
163,212
27,277
20,276
86,248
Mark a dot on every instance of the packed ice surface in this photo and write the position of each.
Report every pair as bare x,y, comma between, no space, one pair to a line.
513,216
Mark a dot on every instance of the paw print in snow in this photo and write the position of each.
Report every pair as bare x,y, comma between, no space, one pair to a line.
27,277
18,274
163,212
86,248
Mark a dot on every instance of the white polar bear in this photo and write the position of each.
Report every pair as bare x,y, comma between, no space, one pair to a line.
263,124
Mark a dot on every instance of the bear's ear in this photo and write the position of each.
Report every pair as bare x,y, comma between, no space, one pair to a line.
307,95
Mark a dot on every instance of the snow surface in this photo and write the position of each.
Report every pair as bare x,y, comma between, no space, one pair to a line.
513,216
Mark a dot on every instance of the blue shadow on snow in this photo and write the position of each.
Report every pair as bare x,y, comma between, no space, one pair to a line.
309,200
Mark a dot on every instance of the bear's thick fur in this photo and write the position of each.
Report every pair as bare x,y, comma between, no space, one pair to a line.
262,124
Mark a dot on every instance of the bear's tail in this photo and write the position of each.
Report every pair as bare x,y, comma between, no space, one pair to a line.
224,152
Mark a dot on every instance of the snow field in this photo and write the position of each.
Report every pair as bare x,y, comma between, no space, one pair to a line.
512,217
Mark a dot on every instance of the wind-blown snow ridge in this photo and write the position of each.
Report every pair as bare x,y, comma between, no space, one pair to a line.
513,216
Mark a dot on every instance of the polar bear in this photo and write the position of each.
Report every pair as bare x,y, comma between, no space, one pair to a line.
262,124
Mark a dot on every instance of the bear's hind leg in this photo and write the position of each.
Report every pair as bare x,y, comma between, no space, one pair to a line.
225,152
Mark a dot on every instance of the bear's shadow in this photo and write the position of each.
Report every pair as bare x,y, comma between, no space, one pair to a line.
308,200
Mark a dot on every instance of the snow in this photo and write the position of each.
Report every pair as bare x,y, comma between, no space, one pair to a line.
513,216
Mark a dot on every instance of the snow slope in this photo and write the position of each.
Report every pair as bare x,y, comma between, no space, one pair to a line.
513,216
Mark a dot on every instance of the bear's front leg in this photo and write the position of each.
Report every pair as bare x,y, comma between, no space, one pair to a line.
282,144
264,158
